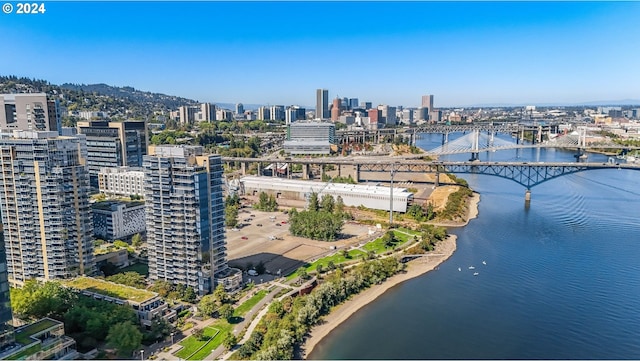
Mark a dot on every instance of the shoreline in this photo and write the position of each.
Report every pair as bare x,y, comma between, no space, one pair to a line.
443,251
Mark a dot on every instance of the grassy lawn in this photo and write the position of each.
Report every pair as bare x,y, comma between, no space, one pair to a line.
191,344
225,328
141,268
336,258
379,247
110,289
248,304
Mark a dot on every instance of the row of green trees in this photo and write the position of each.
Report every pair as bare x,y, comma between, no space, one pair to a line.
266,202
288,321
322,220
420,213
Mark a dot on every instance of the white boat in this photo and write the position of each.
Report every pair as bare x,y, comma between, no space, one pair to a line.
471,267
484,263
459,269
476,273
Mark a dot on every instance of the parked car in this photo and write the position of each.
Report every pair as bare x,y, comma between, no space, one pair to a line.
244,237
259,224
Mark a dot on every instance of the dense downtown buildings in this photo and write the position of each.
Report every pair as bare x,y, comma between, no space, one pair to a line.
185,219
44,200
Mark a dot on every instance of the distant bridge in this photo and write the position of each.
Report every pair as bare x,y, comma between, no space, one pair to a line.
527,174
476,142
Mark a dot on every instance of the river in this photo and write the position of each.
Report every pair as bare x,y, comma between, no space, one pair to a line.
561,279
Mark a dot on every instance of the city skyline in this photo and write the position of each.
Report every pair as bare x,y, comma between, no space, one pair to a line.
465,53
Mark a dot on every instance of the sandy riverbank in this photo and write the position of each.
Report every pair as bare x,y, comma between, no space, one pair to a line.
415,268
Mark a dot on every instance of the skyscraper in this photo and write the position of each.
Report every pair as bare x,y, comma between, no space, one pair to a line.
44,200
185,219
239,108
427,102
322,104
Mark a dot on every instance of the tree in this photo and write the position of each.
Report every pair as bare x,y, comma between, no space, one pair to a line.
208,305
220,294
189,295
231,216
37,300
331,266
226,311
313,202
339,206
389,239
124,337
328,203
229,341
302,273
345,254
163,288
136,240
198,333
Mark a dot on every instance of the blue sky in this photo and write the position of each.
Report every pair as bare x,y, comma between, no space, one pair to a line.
465,53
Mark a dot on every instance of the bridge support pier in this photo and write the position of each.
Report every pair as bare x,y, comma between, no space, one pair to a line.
243,168
445,138
356,173
436,182
475,156
527,197
305,171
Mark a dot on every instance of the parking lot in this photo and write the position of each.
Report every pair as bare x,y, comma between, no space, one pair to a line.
264,236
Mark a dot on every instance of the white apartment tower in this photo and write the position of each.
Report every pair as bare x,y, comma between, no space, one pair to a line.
44,200
185,219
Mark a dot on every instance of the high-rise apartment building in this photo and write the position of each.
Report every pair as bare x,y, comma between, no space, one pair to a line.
322,104
207,112
264,113
427,102
6,317
29,112
44,200
113,144
239,108
185,219
277,112
353,103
